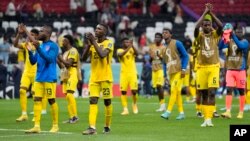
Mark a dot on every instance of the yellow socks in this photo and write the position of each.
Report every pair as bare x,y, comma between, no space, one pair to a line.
162,101
135,97
248,97
93,110
69,106
37,112
124,101
23,101
108,115
208,111
211,109
179,102
198,107
72,103
172,100
54,113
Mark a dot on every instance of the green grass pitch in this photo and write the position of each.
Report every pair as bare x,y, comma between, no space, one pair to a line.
145,126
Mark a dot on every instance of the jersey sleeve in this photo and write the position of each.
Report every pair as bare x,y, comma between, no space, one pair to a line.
22,45
73,55
109,45
119,51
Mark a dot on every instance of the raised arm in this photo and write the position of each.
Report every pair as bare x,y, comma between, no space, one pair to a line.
199,22
86,52
218,23
183,54
243,44
100,51
120,54
31,38
16,40
135,50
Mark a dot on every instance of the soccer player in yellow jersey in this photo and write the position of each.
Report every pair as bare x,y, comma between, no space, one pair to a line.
208,64
128,74
28,76
101,52
193,79
155,51
70,60
176,58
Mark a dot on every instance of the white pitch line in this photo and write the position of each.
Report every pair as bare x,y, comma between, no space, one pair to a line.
10,136
21,130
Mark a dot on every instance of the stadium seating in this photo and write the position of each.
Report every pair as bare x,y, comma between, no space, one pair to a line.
57,15
220,6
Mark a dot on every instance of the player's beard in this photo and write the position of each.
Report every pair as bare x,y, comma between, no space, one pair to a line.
42,37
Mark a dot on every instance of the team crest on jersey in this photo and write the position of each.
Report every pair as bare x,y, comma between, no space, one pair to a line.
109,45
47,47
73,52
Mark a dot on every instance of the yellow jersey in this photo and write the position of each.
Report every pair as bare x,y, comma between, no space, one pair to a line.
28,67
208,52
156,62
20,55
72,54
101,67
127,62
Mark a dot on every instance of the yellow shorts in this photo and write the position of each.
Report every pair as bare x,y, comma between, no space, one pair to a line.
248,82
104,88
207,77
71,84
186,79
128,80
27,80
157,78
176,81
47,89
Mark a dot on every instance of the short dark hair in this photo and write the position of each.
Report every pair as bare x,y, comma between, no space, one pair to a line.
70,38
159,34
125,38
105,26
35,31
168,29
49,29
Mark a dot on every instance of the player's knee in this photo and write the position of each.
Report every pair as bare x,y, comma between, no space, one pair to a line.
241,91
22,91
70,92
51,101
229,90
134,92
124,92
107,102
37,99
158,87
93,100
